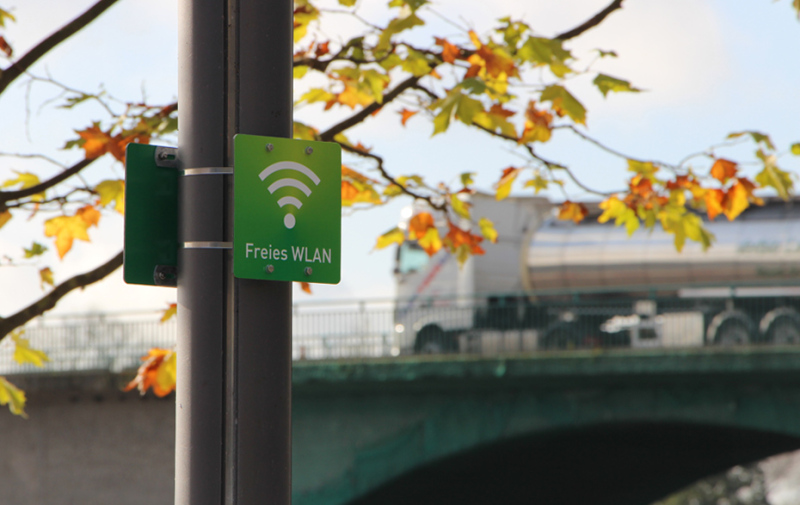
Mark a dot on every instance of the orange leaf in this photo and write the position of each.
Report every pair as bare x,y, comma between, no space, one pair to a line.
95,141
537,124
89,214
322,49
5,217
713,199
306,287
406,115
418,225
5,47
572,210
723,169
157,372
450,53
498,110
457,237
503,186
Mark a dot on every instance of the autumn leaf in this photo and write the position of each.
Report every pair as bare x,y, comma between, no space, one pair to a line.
606,83
564,103
614,208
5,217
572,210
496,120
487,230
723,170
67,228
503,186
537,125
393,236
459,206
306,287
450,52
112,191
419,225
358,188
538,182
36,249
24,353
758,138
406,115
94,141
157,372
544,51
169,312
5,47
795,149
24,180
713,200
462,243
431,242
12,396
46,277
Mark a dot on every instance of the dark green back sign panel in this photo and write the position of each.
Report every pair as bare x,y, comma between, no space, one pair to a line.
151,215
287,209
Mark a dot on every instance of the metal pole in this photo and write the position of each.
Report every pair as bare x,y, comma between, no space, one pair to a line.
233,426
261,87
201,275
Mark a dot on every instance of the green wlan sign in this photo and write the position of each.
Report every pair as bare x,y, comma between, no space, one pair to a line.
287,209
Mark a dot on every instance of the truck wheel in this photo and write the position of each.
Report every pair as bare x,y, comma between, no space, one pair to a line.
732,327
432,340
780,326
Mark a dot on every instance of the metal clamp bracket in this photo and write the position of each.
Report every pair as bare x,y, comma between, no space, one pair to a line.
207,245
208,171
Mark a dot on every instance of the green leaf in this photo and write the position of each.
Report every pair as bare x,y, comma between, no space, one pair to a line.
543,51
606,54
487,230
416,64
473,86
35,250
757,137
303,131
12,396
796,147
466,179
773,177
394,27
347,3
317,95
564,103
467,109
606,83
413,4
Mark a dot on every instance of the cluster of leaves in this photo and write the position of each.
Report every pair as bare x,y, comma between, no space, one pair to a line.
23,354
514,84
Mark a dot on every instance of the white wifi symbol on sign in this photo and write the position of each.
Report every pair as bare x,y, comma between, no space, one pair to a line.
289,219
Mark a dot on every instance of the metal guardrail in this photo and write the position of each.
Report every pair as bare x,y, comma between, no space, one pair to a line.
492,325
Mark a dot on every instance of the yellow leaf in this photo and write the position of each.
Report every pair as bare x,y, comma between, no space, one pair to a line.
393,236
431,241
503,186
614,208
167,373
112,191
5,217
23,353
25,180
169,312
65,229
735,201
538,182
45,277
12,396
487,230
459,206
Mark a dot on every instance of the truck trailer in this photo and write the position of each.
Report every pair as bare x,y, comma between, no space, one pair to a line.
554,284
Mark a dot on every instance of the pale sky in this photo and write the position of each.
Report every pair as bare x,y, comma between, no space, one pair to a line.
709,68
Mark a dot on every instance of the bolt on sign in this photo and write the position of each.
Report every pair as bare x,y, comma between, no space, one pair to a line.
287,209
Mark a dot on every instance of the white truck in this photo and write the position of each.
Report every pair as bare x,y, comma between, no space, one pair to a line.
549,284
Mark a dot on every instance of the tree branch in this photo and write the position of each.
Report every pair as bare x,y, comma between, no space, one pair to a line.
364,113
591,23
49,301
19,67
7,196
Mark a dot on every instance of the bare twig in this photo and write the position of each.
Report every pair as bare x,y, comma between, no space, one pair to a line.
591,23
49,301
23,64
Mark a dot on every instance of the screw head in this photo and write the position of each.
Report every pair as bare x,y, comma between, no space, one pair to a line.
309,150
269,269
307,271
162,156
162,275
270,147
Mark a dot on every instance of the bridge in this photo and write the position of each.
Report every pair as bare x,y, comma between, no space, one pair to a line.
600,426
